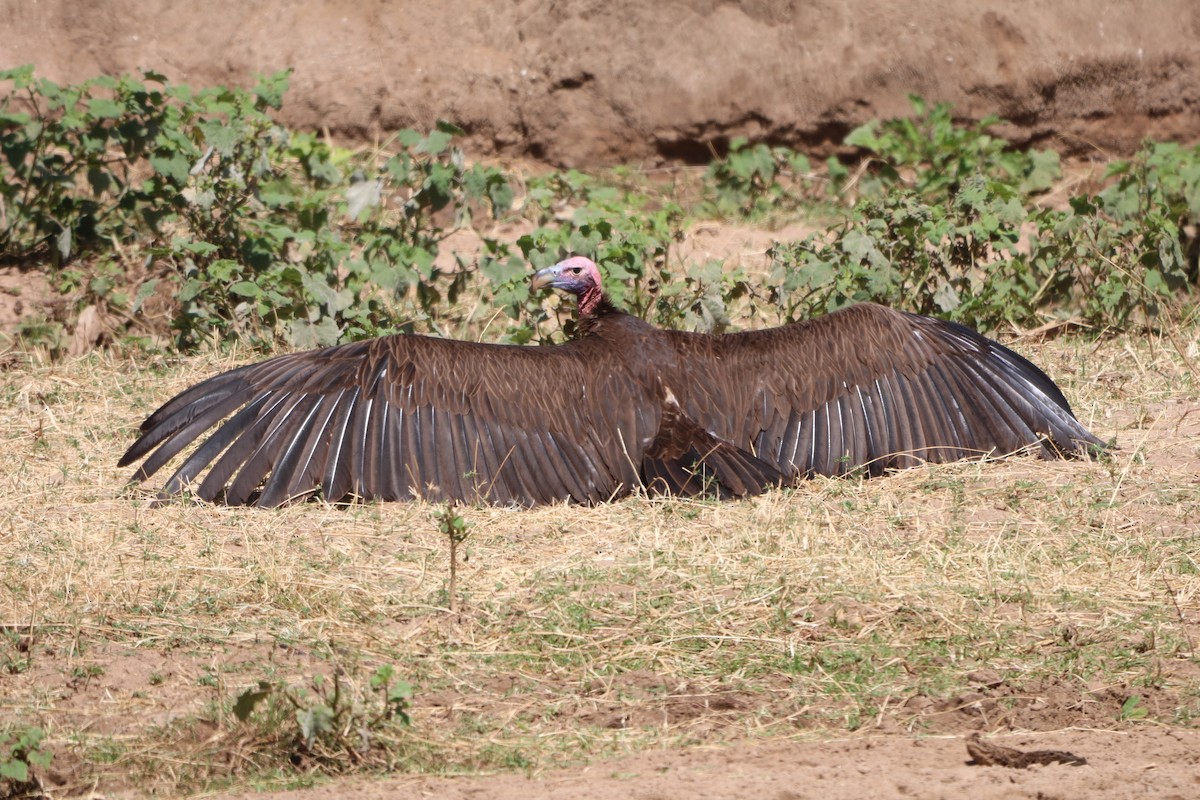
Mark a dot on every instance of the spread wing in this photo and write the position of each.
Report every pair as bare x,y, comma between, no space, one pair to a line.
408,416
876,389
412,416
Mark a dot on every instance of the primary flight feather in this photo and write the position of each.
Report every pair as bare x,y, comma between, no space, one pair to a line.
625,405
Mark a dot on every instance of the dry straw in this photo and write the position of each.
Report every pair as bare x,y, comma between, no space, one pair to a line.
1052,591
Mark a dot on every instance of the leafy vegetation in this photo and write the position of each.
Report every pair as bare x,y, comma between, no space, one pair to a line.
255,233
934,155
22,752
456,529
331,725
948,223
134,191
758,181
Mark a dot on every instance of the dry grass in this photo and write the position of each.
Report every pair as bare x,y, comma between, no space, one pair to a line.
1020,594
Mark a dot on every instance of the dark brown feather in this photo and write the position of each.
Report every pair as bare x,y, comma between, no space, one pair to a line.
624,406
887,388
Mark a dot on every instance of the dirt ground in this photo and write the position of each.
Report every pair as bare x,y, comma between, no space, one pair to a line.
621,81
142,668
593,83
1159,763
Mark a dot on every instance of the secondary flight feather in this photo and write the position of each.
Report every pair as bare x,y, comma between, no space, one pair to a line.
623,406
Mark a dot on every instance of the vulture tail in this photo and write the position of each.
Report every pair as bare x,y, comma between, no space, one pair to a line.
686,460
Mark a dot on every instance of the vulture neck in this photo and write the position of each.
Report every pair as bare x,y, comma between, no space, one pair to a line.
593,302
593,306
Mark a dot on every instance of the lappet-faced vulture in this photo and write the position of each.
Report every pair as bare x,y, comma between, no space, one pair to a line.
625,405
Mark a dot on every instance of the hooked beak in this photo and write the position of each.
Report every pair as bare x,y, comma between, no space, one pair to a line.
544,278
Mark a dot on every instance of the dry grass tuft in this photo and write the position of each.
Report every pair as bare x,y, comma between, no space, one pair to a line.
1014,594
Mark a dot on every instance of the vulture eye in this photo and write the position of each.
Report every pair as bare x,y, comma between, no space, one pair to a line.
576,270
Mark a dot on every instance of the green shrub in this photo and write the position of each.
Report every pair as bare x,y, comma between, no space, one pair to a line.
260,234
757,181
332,724
946,226
22,751
71,177
126,189
934,155
960,258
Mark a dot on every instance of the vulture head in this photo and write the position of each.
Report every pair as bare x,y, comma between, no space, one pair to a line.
576,275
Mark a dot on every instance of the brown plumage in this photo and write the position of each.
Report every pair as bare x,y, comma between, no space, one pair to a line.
624,405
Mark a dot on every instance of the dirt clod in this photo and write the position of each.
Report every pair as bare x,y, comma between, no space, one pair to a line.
990,754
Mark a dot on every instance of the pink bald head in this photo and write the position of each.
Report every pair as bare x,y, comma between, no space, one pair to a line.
576,275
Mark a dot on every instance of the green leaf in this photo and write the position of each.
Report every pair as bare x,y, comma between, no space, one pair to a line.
865,136
173,166
322,168
102,108
143,293
501,195
309,335
271,88
199,248
500,271
20,76
435,143
382,676
861,247
323,294
220,135
1043,171
816,272
1132,708
223,269
408,138
246,289
191,289
1156,283
15,770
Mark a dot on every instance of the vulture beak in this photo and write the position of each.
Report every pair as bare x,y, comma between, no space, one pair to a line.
545,277
576,275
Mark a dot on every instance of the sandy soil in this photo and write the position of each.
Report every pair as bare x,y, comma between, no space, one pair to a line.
1160,763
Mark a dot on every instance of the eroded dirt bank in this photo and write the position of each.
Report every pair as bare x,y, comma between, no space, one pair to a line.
610,81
